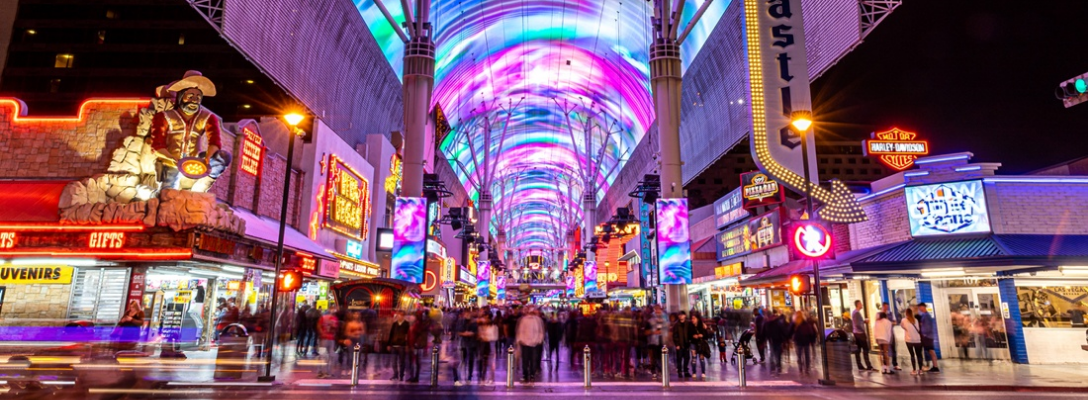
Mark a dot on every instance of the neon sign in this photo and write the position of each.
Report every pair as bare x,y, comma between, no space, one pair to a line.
347,205
758,189
252,151
429,281
947,208
897,148
7,240
392,182
106,240
778,78
811,240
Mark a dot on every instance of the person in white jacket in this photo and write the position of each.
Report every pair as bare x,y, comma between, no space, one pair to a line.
913,335
882,331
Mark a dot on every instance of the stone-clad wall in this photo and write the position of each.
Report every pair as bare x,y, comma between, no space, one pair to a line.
887,222
72,148
34,302
1038,208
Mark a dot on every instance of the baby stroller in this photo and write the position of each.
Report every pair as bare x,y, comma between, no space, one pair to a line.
742,343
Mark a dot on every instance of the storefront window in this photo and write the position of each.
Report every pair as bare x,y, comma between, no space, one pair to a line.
1053,306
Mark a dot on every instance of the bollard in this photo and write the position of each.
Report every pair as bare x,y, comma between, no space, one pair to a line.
587,360
510,367
665,367
355,365
434,366
741,363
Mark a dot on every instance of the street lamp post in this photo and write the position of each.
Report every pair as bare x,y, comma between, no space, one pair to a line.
802,122
293,119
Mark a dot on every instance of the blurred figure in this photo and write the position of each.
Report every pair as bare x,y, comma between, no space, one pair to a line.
929,333
555,333
777,333
761,334
892,346
912,334
127,334
804,336
861,338
327,330
488,334
396,343
530,336
302,330
469,341
351,334
417,343
681,340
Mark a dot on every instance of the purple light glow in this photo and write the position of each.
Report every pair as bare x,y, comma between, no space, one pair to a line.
673,243
409,239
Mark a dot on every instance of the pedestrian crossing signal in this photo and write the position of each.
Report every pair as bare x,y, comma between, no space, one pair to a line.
290,281
799,285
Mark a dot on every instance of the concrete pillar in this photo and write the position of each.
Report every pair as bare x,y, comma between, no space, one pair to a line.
484,227
418,86
665,81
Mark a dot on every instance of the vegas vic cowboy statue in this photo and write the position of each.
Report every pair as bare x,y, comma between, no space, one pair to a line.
186,138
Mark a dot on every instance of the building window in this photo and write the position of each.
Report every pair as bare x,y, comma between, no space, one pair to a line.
864,160
738,170
836,171
64,61
823,161
740,160
54,85
110,14
838,161
823,171
702,181
101,37
717,181
849,171
852,160
877,171
181,39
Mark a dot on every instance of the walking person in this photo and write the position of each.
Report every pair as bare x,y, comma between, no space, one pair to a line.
327,329
488,334
882,331
681,341
352,333
861,338
913,336
929,333
892,346
804,337
700,334
417,343
397,343
530,336
778,333
469,342
761,336
555,335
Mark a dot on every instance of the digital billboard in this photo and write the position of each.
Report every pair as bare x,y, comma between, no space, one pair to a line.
409,239
673,241
483,278
947,208
589,276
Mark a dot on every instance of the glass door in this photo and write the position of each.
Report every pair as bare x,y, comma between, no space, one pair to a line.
975,323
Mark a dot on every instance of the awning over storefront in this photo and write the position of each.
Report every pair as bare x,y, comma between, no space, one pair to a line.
997,252
841,264
267,230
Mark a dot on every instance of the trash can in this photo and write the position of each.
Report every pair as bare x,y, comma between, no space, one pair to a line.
839,351
233,347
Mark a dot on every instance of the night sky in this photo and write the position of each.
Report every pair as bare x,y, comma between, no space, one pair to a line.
974,76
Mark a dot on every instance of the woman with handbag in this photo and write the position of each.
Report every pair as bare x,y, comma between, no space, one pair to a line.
699,335
913,337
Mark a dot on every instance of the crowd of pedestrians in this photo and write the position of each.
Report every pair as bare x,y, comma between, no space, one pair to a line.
624,342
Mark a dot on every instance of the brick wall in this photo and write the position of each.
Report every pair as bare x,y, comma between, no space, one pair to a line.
887,222
67,147
1042,209
35,302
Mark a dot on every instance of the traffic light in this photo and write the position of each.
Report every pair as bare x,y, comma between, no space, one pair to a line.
799,285
1071,89
290,281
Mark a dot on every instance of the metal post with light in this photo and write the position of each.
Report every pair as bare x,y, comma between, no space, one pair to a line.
801,121
293,119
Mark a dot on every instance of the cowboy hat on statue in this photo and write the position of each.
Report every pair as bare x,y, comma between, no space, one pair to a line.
187,137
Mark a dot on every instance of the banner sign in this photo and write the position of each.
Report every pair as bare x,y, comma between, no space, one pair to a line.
729,209
27,275
409,239
483,278
673,241
646,250
758,233
947,208
758,189
589,276
570,285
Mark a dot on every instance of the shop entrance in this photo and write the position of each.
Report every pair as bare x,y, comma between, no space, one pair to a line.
974,325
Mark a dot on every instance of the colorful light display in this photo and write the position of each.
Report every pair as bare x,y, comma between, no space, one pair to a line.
409,239
570,285
589,276
811,240
589,52
252,150
483,278
947,208
673,242
500,284
897,148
